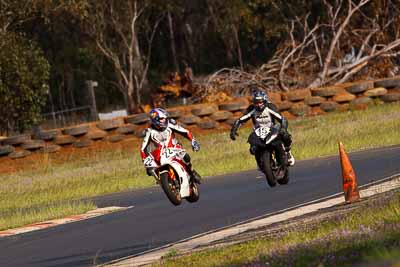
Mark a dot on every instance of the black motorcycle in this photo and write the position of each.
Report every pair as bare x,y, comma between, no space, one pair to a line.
270,154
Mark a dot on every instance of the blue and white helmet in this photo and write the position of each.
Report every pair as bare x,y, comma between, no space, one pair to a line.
260,99
159,118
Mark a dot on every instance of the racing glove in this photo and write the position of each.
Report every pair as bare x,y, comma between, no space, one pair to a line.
234,130
195,145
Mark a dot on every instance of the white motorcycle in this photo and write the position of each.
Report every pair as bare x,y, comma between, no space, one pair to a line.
170,172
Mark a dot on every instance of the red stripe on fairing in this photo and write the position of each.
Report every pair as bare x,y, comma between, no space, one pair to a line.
190,135
171,137
143,154
157,153
178,146
182,163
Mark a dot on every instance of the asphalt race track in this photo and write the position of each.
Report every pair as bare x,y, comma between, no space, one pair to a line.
154,222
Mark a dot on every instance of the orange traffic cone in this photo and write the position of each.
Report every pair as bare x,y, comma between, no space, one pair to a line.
350,189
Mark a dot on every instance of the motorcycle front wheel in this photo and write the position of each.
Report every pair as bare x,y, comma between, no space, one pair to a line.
267,168
170,188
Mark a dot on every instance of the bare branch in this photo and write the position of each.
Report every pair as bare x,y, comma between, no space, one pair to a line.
307,39
338,34
150,41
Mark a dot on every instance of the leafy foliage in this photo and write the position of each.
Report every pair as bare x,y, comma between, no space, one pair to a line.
24,74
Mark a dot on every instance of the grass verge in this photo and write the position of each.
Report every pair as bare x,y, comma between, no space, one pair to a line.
368,235
26,195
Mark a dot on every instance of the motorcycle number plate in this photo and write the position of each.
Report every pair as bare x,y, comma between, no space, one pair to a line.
262,132
148,162
167,153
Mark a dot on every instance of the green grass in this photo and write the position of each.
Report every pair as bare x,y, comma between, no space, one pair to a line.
359,237
17,217
25,195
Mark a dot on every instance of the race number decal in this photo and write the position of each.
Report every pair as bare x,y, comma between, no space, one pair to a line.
167,153
148,162
262,132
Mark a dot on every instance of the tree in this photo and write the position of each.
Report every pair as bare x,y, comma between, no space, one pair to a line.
123,33
24,74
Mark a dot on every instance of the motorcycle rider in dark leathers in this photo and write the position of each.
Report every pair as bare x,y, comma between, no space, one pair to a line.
162,132
264,113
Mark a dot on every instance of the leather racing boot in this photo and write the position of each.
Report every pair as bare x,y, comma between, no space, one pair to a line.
195,176
290,158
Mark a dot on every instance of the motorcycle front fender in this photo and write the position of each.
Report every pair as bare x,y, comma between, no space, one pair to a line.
183,178
272,135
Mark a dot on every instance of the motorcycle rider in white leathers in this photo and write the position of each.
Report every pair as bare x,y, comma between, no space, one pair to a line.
162,132
264,113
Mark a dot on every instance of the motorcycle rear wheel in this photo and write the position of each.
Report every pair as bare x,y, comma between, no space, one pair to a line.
172,192
194,193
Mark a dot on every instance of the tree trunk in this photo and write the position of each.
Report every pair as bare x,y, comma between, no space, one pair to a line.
69,83
53,115
239,49
188,32
140,80
132,109
172,39
225,39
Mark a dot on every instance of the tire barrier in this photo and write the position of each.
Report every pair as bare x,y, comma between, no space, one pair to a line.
76,130
115,138
138,119
205,110
33,144
140,133
221,115
275,97
388,83
175,113
234,106
344,107
317,111
16,140
108,125
300,109
207,124
314,100
360,87
96,135
391,97
47,135
5,150
189,119
205,116
298,95
364,100
82,143
284,105
19,154
63,140
326,91
126,129
329,106
380,91
50,148
343,97
232,120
